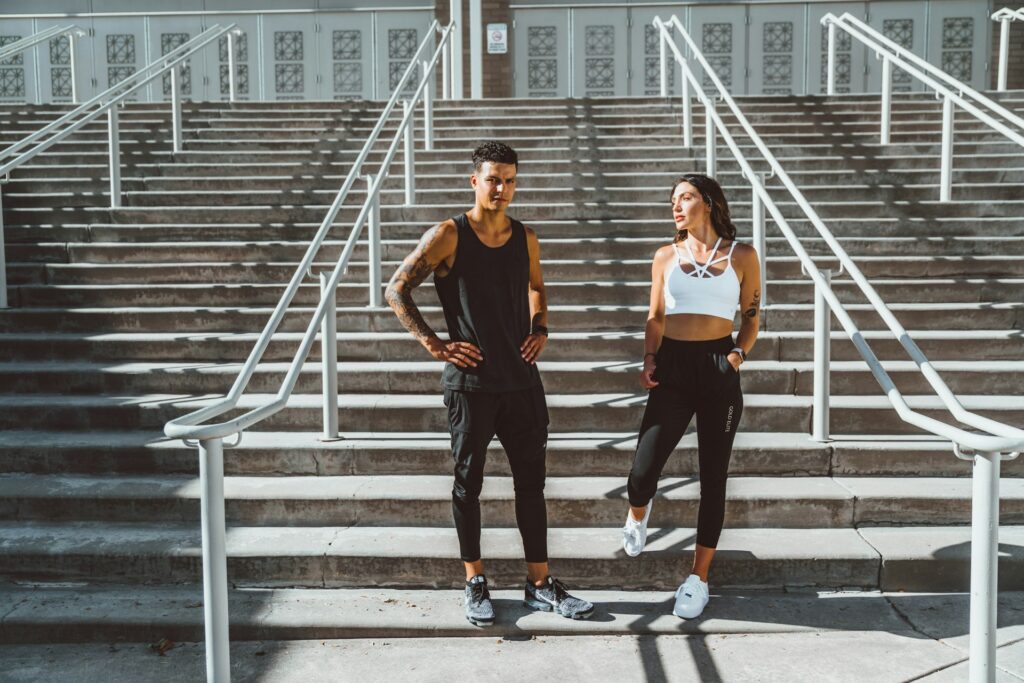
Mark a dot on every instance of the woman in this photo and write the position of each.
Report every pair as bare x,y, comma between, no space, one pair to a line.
692,366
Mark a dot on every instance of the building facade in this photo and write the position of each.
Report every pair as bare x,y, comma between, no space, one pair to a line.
343,50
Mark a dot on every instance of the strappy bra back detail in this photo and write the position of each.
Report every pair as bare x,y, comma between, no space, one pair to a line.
701,292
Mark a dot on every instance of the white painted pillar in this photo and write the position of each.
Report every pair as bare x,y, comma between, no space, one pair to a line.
329,358
456,49
476,50
822,360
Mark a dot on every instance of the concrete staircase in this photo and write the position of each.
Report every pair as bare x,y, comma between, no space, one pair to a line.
122,319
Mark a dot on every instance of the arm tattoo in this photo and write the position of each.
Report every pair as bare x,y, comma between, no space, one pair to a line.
754,305
399,291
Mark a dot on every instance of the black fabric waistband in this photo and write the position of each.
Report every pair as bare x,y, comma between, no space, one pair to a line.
684,347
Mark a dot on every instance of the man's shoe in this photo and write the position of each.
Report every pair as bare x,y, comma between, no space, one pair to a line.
691,597
553,597
634,533
479,610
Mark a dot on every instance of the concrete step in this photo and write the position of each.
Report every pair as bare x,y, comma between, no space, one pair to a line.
73,179
823,197
900,558
411,377
572,502
885,270
403,630
870,414
777,317
593,290
610,454
620,346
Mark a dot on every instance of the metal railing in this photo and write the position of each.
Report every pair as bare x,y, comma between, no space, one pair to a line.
998,442
108,101
952,91
71,31
210,437
1005,17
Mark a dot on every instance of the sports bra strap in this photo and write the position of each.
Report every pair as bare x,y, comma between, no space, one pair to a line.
701,271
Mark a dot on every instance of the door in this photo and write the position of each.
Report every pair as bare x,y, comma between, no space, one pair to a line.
17,73
720,31
215,62
399,35
55,62
600,53
167,33
905,24
958,39
288,49
120,52
851,55
645,55
345,49
777,47
540,39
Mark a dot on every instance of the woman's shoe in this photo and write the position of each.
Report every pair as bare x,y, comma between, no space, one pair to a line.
691,598
634,533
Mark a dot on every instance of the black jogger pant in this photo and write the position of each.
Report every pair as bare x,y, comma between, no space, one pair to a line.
520,421
694,377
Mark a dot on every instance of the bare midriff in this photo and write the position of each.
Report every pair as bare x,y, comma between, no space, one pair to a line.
696,327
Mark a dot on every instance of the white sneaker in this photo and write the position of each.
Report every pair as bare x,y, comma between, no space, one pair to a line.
691,597
634,533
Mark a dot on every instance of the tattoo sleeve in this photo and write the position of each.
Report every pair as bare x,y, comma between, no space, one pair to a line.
413,271
754,305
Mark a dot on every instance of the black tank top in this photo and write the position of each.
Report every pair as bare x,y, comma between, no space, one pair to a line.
486,302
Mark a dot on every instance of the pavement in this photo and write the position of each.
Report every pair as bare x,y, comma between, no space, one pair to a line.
378,634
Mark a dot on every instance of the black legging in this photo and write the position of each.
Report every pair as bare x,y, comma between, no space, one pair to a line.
520,421
693,377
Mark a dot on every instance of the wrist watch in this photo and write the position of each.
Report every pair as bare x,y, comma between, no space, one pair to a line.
741,352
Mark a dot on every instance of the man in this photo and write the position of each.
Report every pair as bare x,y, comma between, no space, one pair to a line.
486,269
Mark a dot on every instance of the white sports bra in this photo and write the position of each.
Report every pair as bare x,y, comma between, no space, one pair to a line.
700,292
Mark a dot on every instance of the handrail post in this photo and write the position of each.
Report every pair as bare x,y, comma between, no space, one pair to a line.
115,157
822,356
1004,53
176,109
455,43
3,256
663,54
215,564
709,142
74,66
886,100
410,154
760,243
232,85
687,109
830,69
428,107
984,566
446,72
329,357
374,247
946,171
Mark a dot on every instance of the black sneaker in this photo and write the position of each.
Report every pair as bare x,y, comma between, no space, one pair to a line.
479,610
553,597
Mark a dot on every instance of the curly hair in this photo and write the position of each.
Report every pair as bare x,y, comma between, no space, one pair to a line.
495,152
711,192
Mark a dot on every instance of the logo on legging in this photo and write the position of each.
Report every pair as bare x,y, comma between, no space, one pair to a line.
728,421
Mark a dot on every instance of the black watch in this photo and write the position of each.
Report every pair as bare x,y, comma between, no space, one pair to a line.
539,329
741,352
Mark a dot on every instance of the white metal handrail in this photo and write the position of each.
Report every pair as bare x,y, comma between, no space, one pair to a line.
965,90
210,437
18,46
71,31
190,426
987,449
951,91
1005,17
108,102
